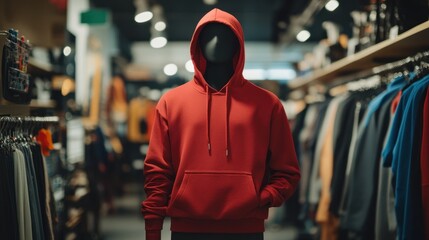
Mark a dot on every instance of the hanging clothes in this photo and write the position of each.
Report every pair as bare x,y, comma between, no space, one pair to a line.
305,150
25,194
385,218
402,154
328,222
9,226
308,140
22,196
424,166
347,115
360,217
372,151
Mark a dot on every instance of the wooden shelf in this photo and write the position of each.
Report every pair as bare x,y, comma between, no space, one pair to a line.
12,109
42,104
39,68
406,44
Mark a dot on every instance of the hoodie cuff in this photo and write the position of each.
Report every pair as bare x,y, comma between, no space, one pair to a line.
153,235
153,224
266,198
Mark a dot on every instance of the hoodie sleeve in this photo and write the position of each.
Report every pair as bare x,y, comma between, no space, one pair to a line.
158,174
283,164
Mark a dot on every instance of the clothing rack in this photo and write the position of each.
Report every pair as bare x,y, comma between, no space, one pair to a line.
383,69
31,119
28,125
26,122
26,189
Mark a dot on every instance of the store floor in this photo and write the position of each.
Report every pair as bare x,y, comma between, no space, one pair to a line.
127,224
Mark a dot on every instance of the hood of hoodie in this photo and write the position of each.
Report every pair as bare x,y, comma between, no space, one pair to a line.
198,59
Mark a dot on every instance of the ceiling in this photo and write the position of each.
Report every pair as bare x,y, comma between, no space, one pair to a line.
259,18
260,21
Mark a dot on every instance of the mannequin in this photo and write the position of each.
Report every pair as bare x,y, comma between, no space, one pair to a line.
207,163
219,46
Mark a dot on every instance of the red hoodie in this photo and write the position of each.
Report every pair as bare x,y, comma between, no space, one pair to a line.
217,159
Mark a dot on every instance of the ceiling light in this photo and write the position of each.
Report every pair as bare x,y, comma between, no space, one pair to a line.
160,26
66,51
143,17
332,5
210,2
170,69
303,36
281,74
189,66
158,42
254,74
142,11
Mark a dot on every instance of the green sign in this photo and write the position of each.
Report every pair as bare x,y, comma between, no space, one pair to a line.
94,16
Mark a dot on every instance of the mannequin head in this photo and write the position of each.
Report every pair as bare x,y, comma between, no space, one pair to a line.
218,43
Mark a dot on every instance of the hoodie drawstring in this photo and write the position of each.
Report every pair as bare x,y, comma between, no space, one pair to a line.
226,122
209,147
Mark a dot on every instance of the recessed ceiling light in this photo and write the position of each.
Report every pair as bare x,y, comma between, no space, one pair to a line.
170,69
210,2
160,26
66,51
158,42
254,74
189,66
303,36
332,5
143,17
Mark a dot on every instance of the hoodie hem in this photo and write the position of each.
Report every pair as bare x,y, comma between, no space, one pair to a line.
217,226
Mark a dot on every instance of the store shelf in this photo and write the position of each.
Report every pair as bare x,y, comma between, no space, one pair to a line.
42,104
39,68
406,44
12,109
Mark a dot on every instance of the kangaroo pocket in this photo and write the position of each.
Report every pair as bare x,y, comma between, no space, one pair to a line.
215,195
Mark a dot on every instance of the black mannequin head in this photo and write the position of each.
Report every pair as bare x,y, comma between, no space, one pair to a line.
218,43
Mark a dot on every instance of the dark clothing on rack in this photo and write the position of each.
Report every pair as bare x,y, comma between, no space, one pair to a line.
33,184
360,217
24,182
308,139
8,216
360,109
297,126
23,213
40,176
342,137
385,219
293,206
216,236
308,151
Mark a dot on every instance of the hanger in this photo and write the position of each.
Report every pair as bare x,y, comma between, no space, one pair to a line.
423,65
